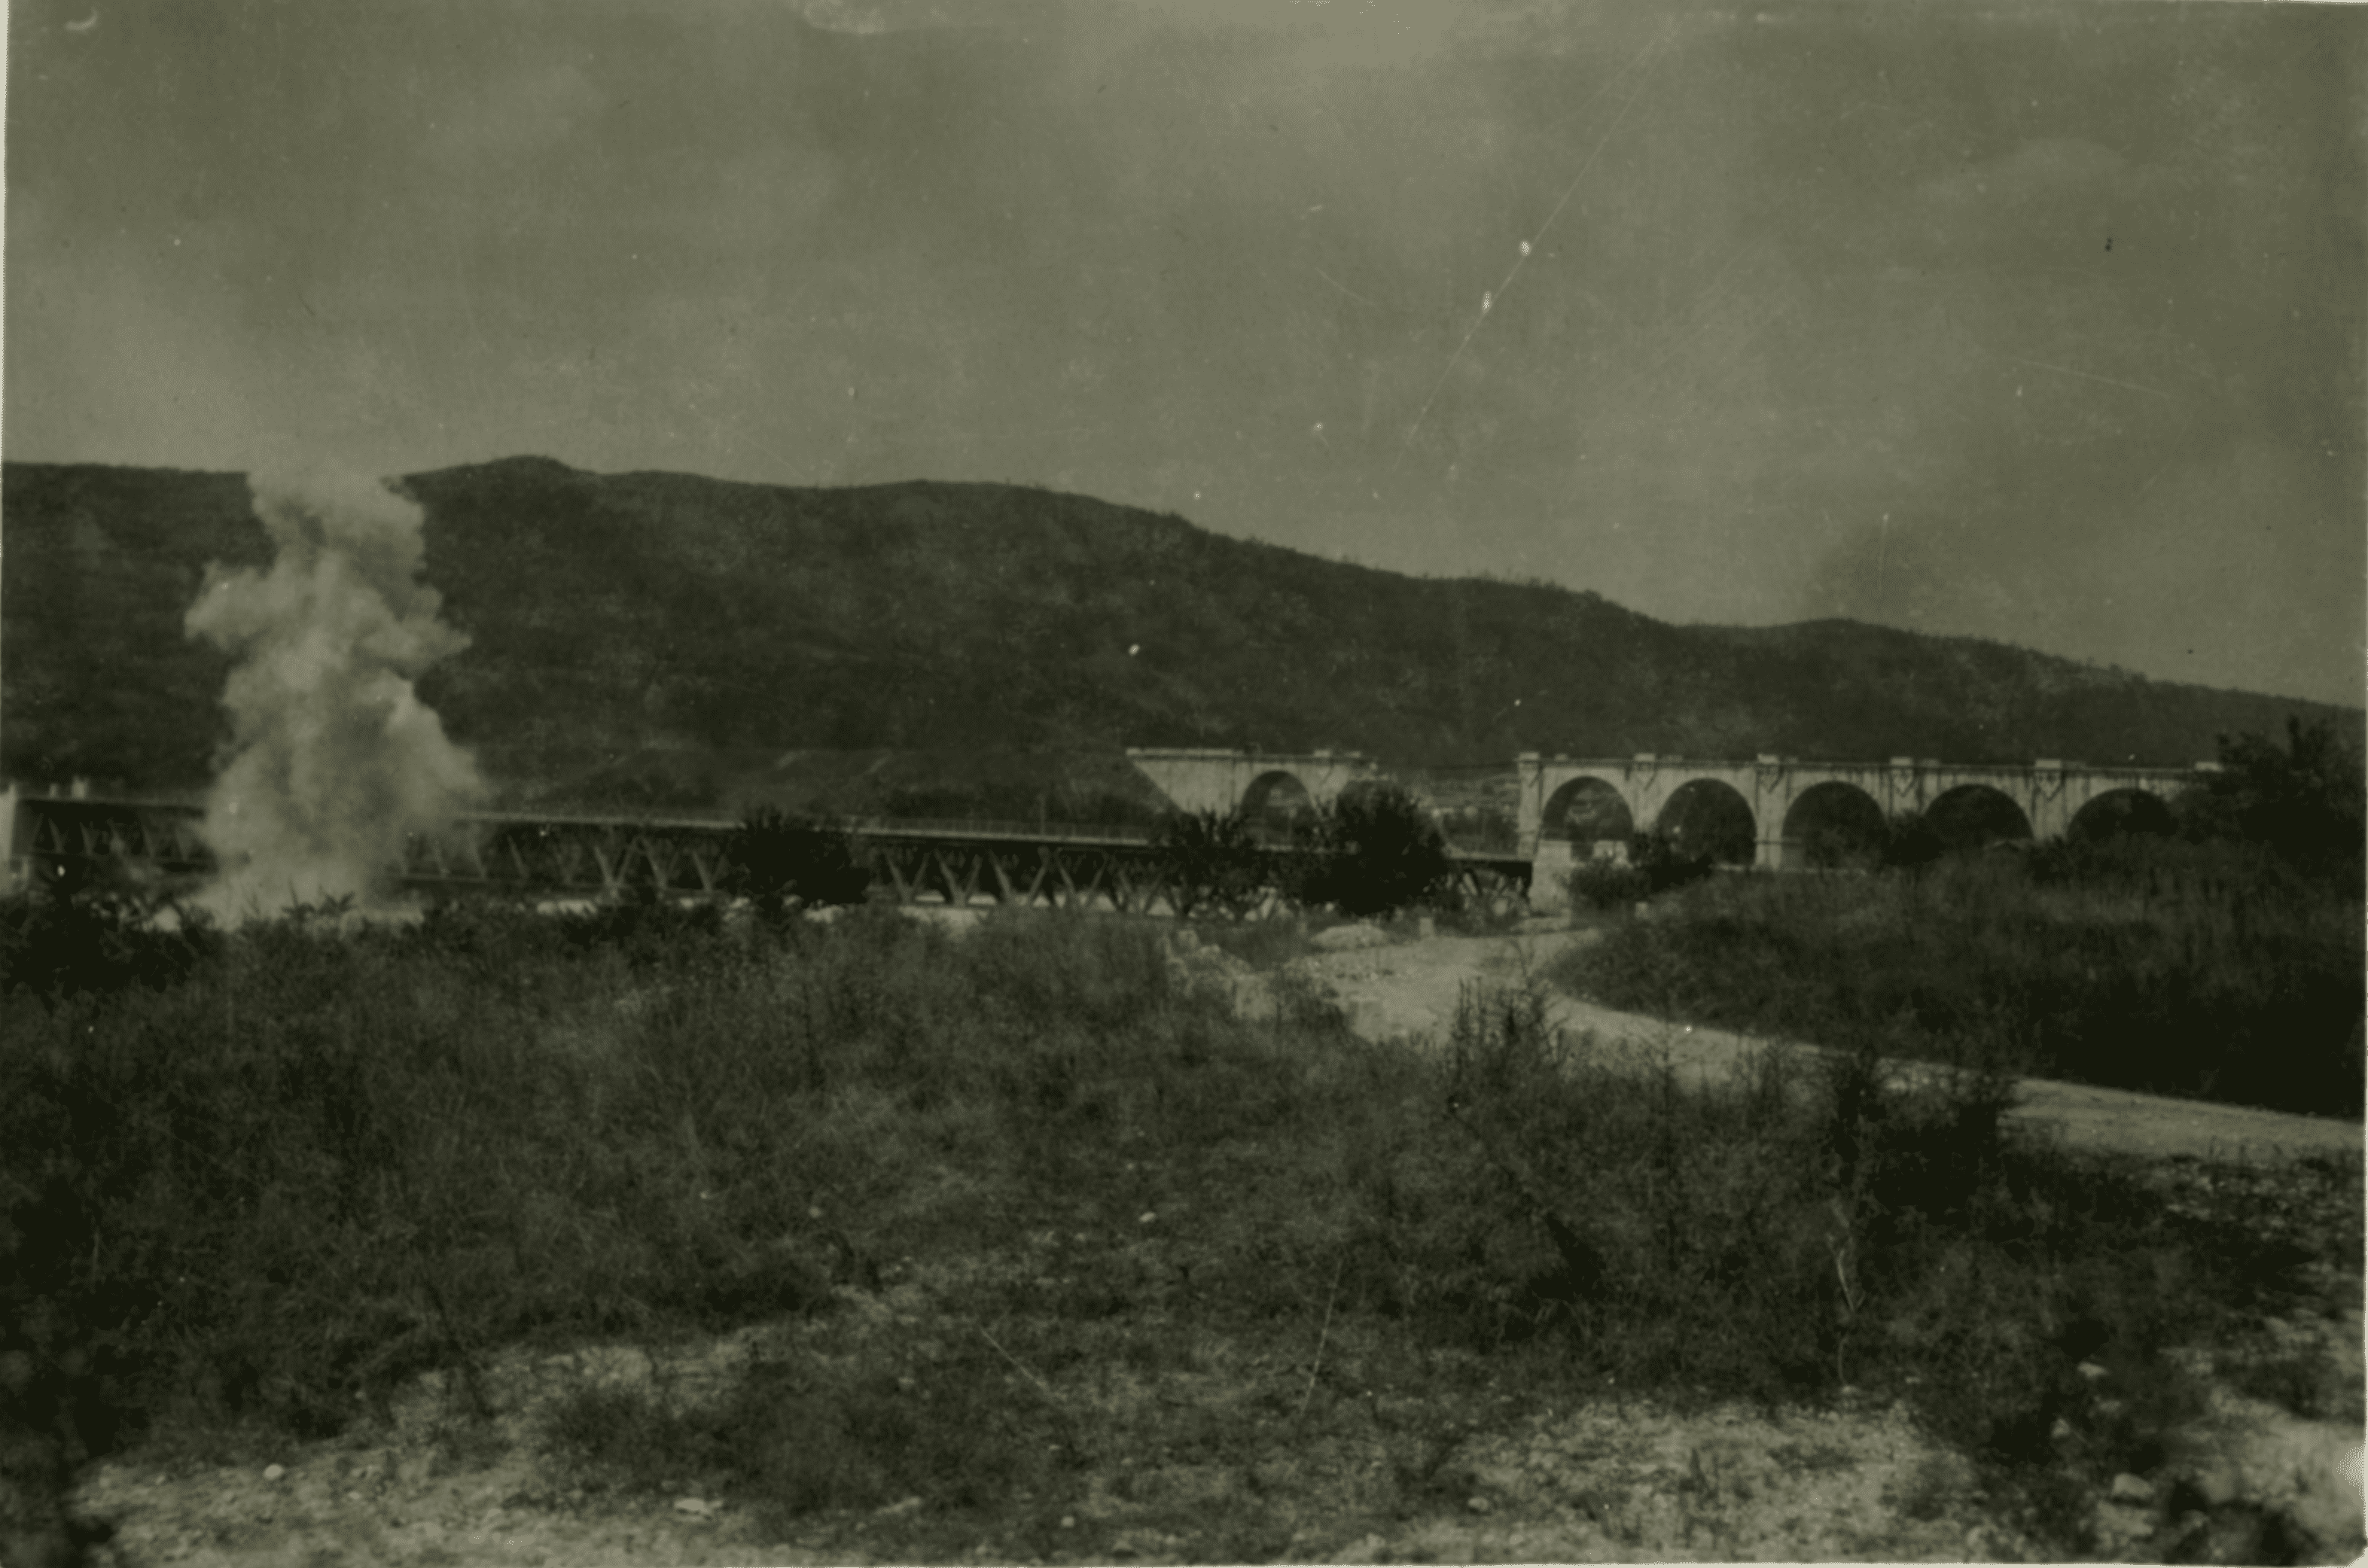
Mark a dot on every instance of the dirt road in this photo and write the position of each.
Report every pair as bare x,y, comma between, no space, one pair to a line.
1410,988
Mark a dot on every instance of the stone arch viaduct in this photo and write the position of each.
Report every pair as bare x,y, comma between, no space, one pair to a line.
1567,804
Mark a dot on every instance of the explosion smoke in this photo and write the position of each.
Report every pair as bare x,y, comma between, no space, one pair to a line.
333,760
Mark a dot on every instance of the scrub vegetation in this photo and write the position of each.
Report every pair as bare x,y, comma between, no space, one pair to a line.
1376,852
1060,1254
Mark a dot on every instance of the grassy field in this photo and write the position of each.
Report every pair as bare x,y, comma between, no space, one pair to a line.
1067,1259
2198,970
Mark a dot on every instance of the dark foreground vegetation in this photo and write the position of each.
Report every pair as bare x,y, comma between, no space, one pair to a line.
1376,851
1254,1279
2221,960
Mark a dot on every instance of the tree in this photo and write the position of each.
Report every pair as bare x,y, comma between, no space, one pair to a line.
1213,860
780,863
1910,842
1664,864
1382,853
2306,800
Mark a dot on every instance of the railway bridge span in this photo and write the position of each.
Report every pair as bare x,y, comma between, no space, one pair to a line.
546,855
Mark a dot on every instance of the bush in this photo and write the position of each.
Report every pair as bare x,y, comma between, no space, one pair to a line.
331,1159
651,927
1787,1232
1911,842
493,940
2211,971
62,939
1379,853
2305,801
334,1157
1609,884
1214,862
1654,865
1664,865
781,863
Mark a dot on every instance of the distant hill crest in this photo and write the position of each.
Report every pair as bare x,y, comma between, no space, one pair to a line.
611,616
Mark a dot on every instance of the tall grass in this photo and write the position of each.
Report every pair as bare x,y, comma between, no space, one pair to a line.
329,1158
272,1188
2197,969
1791,1229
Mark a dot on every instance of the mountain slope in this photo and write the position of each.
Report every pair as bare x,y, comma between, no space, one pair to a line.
623,615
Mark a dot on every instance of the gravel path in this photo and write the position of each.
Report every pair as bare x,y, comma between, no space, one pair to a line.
1410,988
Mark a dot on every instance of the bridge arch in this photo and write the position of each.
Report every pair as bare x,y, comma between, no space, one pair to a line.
1709,816
2118,811
1833,826
1589,811
1975,817
1276,801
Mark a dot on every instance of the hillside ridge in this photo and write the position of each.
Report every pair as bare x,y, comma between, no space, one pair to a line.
627,614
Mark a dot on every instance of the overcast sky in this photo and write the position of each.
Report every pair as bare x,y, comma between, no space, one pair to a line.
2041,325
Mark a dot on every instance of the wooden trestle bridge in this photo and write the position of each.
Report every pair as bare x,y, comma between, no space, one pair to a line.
950,864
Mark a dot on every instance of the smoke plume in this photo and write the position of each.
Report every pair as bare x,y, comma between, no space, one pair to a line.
333,760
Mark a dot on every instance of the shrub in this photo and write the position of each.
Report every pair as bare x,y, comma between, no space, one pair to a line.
1784,1232
1381,853
1214,862
651,927
1664,865
2203,970
2305,801
492,939
60,940
1831,846
1654,865
781,863
1910,841
1609,884
333,1158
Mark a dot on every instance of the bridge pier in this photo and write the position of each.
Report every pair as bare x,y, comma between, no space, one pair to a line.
1550,868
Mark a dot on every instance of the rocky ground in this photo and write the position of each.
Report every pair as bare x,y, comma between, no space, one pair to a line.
1600,1482
1605,1483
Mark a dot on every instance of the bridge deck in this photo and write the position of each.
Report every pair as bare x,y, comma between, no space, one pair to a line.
556,854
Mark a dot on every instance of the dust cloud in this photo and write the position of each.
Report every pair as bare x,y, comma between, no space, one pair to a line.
333,760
